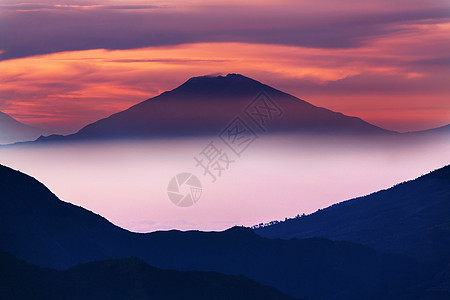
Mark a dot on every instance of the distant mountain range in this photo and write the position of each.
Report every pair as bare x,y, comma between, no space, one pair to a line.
205,105
442,131
410,218
39,228
126,278
12,131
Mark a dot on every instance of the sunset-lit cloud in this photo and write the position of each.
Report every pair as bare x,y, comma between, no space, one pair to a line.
67,64
47,28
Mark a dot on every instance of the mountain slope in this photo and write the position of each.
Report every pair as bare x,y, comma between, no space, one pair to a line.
12,131
205,105
410,218
126,278
443,131
38,227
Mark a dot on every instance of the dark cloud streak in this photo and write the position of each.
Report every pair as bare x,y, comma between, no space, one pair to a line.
27,33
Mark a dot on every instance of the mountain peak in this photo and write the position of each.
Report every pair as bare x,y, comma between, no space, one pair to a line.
203,105
5,116
210,83
216,77
12,131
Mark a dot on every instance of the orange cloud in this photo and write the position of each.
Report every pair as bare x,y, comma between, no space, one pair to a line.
382,82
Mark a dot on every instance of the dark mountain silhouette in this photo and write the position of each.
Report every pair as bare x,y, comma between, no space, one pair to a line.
205,105
439,131
439,287
12,131
36,226
127,278
410,218
39,228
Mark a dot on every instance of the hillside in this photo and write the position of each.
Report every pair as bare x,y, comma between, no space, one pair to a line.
410,218
39,228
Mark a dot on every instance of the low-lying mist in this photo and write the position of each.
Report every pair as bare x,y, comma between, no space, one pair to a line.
275,177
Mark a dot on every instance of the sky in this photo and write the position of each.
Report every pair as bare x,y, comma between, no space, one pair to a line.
64,64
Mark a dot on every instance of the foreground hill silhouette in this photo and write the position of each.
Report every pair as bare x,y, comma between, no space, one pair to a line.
126,278
410,218
205,105
39,228
12,131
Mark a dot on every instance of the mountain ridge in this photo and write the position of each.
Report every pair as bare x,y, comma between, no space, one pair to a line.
124,278
203,105
38,227
12,131
415,210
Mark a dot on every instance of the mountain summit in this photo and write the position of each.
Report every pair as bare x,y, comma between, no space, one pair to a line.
12,131
205,105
